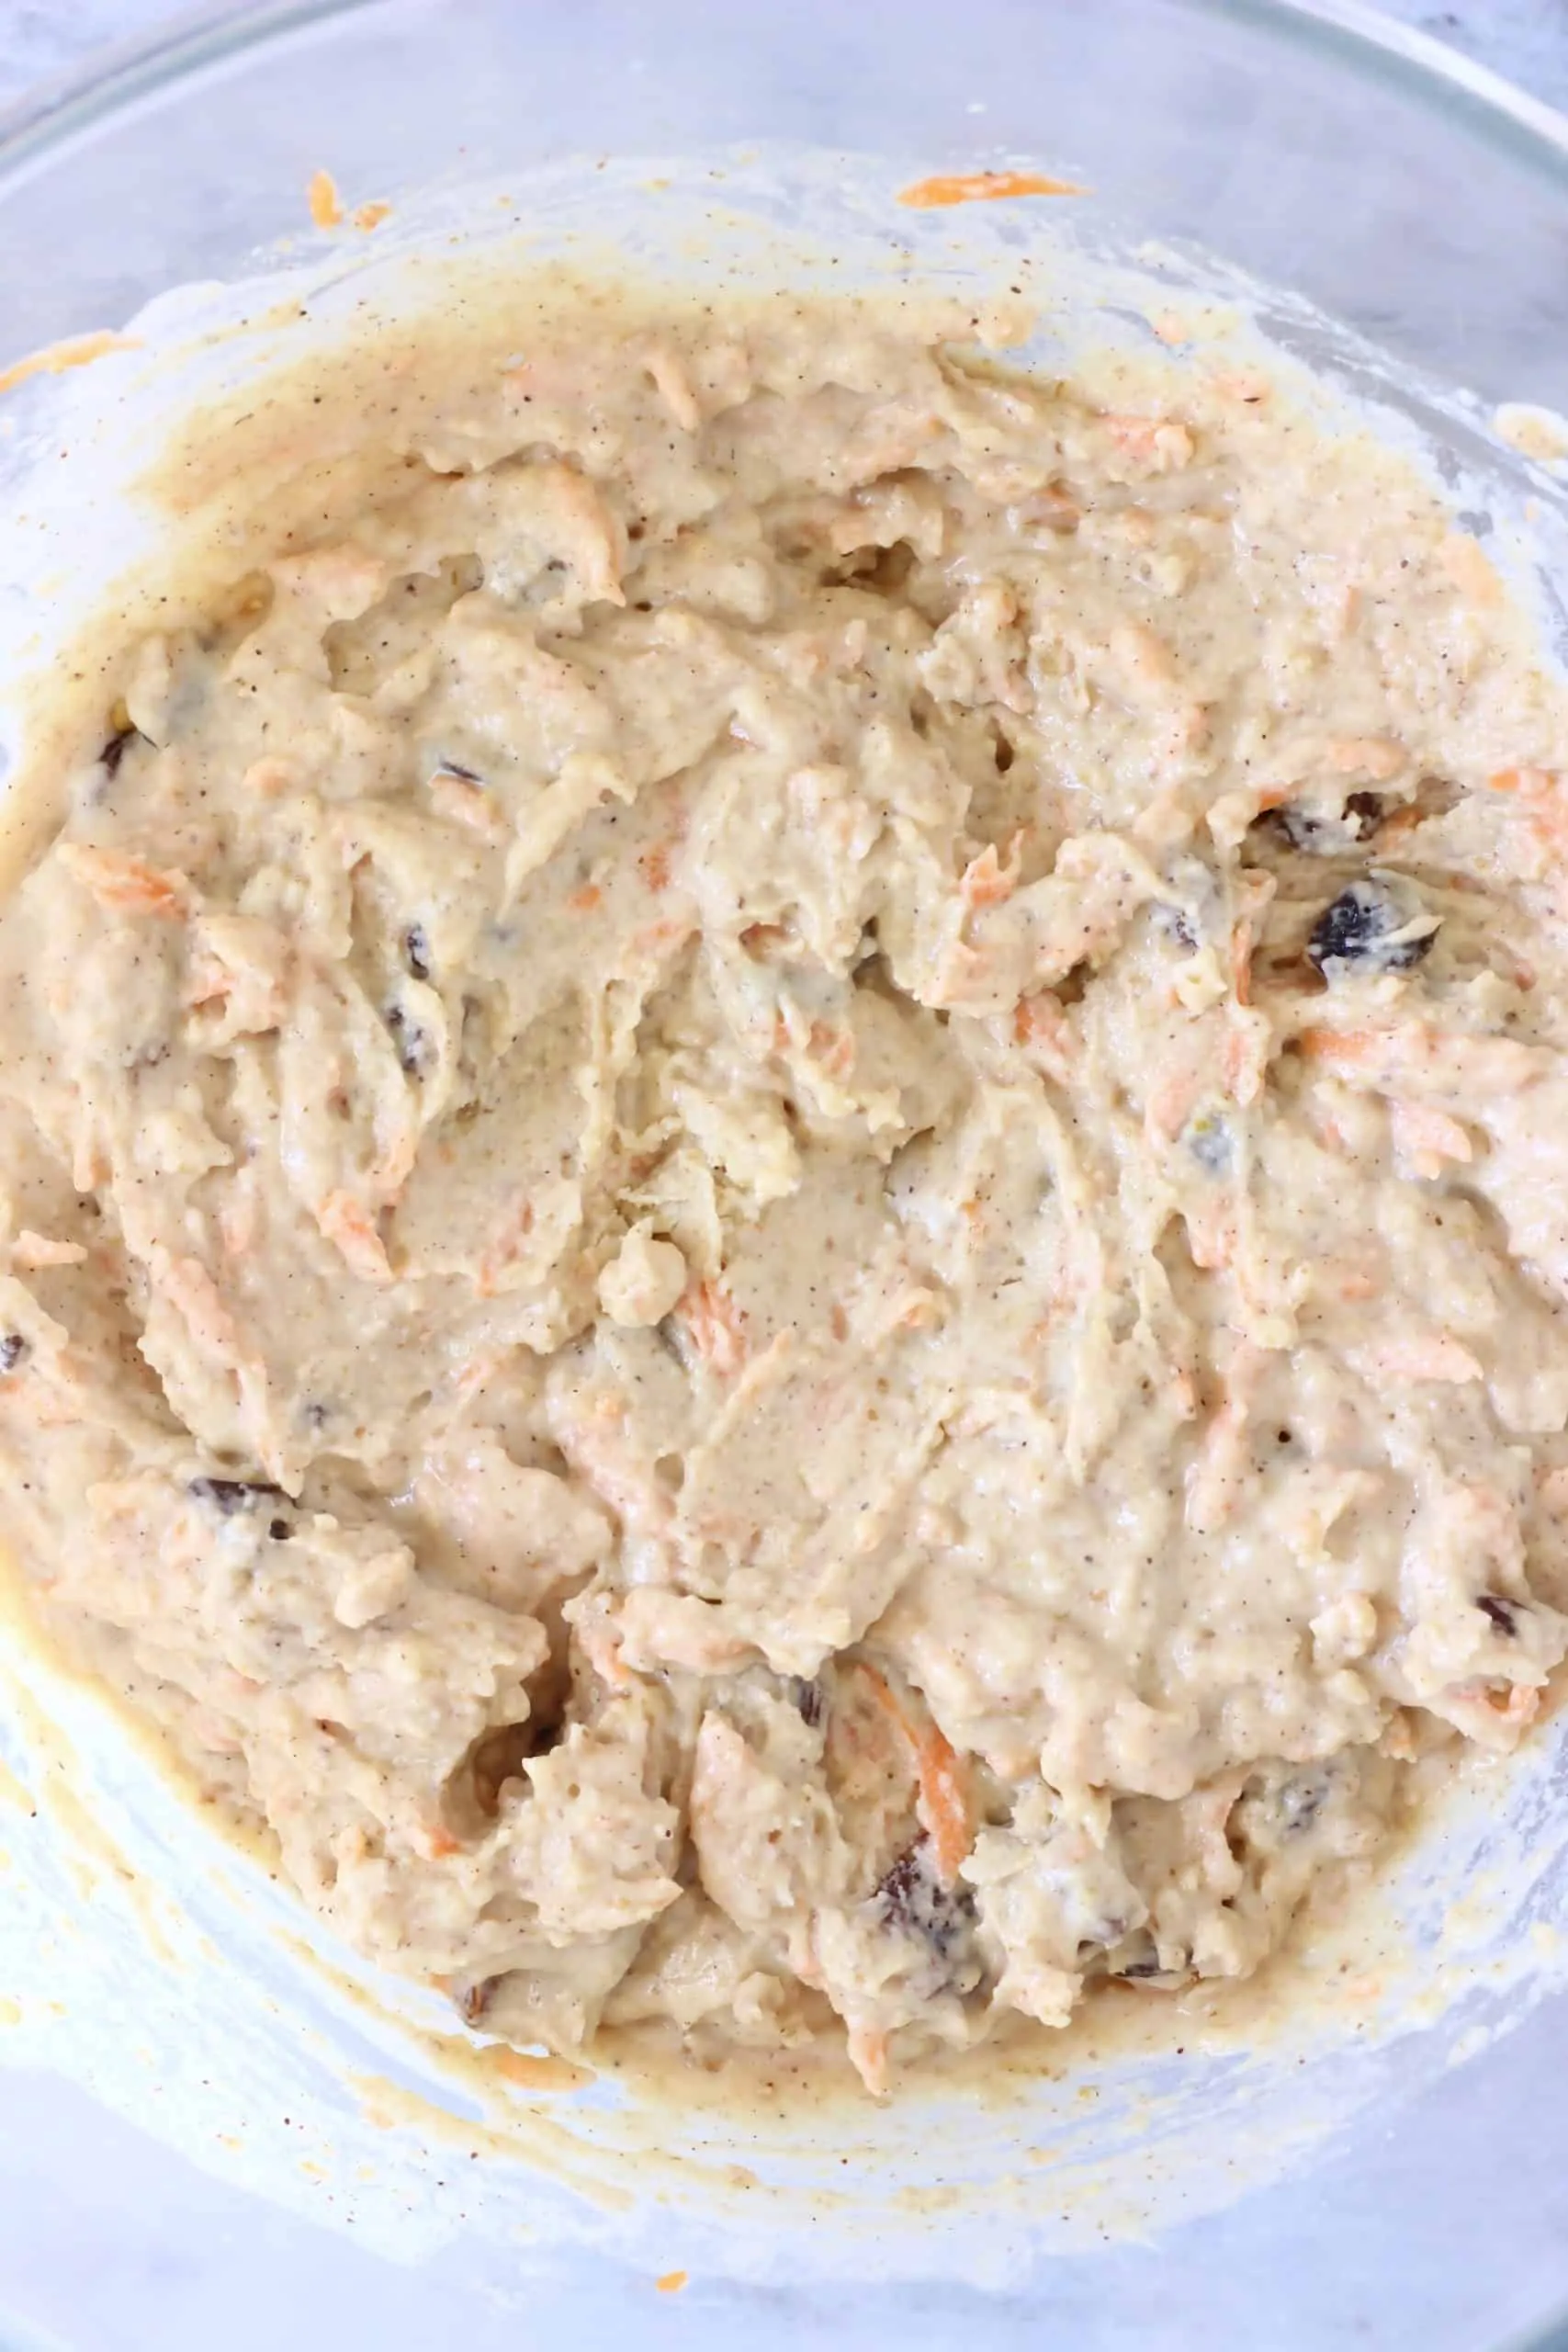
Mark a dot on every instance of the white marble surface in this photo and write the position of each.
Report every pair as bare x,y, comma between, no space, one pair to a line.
1526,39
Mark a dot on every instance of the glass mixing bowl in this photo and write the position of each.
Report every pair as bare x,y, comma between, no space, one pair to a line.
1415,200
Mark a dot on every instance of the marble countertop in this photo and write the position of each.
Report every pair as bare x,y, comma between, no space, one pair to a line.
1525,39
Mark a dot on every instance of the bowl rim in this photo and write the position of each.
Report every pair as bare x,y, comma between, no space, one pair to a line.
1367,40
61,106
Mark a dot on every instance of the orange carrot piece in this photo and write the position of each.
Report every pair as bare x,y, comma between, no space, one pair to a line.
942,1799
716,1327
505,1246
832,1049
601,1646
942,1804
982,187
1160,441
322,196
347,1222
1041,1025
1398,826
1427,1137
1241,960
1371,755
1235,1059
656,938
128,885
987,882
1342,1048
1529,784
1516,1702
868,2056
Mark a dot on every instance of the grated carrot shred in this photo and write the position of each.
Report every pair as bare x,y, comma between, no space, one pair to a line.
983,187
322,196
941,1801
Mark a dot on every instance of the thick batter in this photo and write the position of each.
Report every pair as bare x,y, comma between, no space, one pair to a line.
784,1187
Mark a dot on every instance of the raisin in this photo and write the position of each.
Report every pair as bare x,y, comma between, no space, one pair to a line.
1368,928
471,2001
807,1698
1299,1800
281,1530
13,1348
115,749
1210,1141
416,951
412,1043
228,1495
911,1897
1177,925
1504,1615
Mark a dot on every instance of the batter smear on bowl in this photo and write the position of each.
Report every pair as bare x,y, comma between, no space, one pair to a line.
786,1184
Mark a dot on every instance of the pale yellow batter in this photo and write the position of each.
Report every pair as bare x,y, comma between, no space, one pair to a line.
785,1186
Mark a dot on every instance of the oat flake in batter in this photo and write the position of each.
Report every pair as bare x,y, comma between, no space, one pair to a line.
785,1185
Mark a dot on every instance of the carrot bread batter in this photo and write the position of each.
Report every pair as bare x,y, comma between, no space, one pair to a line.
785,1186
